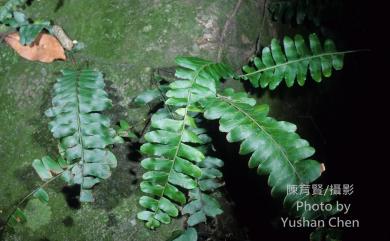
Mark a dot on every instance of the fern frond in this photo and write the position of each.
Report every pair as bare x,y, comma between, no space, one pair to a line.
198,80
84,133
203,205
171,164
28,31
293,62
275,149
314,11
151,95
48,170
285,11
173,139
6,11
189,234
211,175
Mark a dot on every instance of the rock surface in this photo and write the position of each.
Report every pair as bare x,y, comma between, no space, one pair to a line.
127,40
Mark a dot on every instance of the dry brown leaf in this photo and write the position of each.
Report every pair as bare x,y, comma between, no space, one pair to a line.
46,48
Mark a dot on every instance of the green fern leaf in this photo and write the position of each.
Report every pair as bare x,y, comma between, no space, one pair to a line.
151,95
198,80
210,174
41,195
84,133
171,144
15,19
18,216
285,11
47,168
292,64
30,31
189,234
171,165
203,205
315,11
275,149
7,9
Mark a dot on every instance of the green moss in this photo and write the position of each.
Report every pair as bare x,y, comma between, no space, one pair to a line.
126,40
38,214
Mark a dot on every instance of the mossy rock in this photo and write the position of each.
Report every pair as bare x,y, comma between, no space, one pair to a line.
127,40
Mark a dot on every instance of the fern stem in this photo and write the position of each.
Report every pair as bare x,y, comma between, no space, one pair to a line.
301,60
34,191
79,130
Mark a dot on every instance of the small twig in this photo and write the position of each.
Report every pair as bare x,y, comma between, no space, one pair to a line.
31,194
258,42
145,126
225,30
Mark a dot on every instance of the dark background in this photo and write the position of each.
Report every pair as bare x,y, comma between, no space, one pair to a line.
351,116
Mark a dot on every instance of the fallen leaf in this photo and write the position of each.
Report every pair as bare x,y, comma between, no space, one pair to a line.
46,48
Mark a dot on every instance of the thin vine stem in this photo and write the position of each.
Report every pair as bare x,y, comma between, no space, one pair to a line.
32,193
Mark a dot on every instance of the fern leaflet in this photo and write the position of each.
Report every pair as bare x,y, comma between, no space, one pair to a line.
292,64
6,11
202,204
189,234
